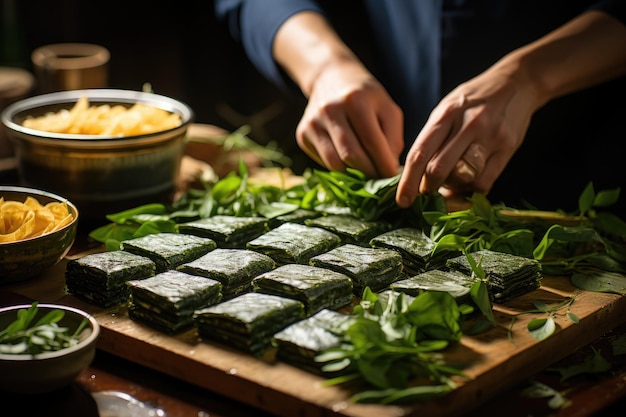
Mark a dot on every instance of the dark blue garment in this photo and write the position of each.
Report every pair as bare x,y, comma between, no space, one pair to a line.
421,49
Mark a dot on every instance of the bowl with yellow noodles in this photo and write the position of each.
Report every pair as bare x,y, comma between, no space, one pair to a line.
104,149
37,229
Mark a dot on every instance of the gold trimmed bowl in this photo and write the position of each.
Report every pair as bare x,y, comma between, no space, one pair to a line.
27,258
101,174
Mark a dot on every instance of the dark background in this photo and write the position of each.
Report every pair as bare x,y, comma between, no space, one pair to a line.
177,47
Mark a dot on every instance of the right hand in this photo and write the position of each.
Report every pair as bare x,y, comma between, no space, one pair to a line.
351,121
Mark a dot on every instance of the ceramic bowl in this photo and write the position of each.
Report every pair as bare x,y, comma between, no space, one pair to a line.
28,258
49,371
100,174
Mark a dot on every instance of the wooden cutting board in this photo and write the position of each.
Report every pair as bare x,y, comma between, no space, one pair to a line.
496,360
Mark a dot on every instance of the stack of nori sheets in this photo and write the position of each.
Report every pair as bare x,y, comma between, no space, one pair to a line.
456,283
294,243
297,216
227,231
349,228
168,300
367,267
233,268
508,276
169,250
249,321
100,278
415,247
316,288
299,343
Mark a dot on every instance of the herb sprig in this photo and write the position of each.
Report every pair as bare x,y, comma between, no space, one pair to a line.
22,336
394,346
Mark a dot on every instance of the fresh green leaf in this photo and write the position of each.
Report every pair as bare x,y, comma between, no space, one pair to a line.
600,281
619,345
556,400
480,297
592,364
606,198
586,198
541,329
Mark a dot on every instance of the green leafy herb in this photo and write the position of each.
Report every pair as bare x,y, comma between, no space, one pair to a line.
590,247
592,364
395,342
22,336
542,328
619,345
557,400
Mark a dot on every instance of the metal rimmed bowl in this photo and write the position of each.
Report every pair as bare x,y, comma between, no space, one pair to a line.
27,258
100,174
53,370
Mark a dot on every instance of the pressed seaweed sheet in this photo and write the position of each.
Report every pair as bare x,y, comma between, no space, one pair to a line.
455,283
296,216
249,321
317,288
233,268
349,228
300,342
168,300
100,278
508,276
168,250
294,243
415,247
375,268
227,231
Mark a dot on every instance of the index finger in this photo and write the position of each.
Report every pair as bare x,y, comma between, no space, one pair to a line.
428,142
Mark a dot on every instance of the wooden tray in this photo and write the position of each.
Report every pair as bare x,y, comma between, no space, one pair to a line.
495,361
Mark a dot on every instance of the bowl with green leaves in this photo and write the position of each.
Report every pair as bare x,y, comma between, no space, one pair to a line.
44,347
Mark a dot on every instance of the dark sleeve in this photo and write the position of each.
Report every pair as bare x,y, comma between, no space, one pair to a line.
616,8
254,24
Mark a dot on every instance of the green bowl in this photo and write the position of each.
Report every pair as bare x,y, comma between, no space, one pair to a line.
28,258
49,371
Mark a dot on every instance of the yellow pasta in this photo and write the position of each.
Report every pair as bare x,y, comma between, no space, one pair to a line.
105,119
19,221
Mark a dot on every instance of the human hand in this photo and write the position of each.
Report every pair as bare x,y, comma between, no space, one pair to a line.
469,137
351,121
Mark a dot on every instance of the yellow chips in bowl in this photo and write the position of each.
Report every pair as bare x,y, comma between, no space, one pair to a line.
106,120
19,221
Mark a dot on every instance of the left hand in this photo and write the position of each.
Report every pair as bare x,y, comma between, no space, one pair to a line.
470,136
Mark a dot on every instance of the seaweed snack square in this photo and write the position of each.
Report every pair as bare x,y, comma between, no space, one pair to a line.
249,321
168,300
233,268
227,231
415,247
349,228
294,243
100,278
169,250
299,343
317,288
508,276
367,267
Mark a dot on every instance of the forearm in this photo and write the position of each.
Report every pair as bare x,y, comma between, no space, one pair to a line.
305,45
588,50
